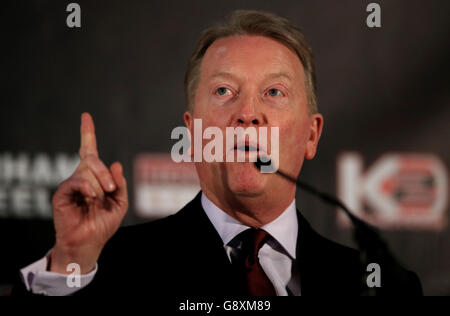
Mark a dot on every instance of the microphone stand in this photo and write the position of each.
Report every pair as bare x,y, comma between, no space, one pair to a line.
373,249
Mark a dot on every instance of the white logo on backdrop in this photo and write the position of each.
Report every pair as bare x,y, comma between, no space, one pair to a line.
27,182
398,190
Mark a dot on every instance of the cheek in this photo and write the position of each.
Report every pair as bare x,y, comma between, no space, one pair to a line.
211,115
293,138
213,120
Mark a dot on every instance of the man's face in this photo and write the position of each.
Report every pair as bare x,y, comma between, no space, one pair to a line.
254,81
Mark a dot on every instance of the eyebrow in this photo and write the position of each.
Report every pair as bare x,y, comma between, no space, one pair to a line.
222,74
274,75
280,75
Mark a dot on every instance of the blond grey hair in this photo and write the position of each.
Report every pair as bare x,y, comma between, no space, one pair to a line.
250,22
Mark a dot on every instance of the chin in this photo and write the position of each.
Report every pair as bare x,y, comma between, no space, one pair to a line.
244,179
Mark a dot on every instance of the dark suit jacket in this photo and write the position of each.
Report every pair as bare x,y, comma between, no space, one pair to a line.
183,255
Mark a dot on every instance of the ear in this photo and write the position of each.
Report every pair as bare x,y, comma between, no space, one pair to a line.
189,121
316,125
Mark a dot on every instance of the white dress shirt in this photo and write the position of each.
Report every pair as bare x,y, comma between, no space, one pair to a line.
276,256
40,281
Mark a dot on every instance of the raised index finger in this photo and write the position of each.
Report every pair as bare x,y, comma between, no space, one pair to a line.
88,140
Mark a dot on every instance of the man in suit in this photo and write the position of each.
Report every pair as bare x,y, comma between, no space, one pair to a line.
242,234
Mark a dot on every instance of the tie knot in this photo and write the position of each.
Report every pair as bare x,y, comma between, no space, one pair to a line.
256,281
252,241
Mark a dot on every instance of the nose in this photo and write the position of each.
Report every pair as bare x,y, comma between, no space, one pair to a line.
249,113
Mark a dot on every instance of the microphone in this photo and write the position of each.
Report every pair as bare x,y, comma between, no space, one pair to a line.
373,249
323,196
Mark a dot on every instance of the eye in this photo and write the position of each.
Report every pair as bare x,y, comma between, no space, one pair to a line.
223,91
274,92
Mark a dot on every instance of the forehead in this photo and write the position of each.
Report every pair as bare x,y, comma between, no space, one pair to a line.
250,56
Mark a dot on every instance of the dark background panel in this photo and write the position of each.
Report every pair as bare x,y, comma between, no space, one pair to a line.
380,90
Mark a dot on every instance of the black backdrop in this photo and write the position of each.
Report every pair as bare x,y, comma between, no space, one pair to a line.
381,90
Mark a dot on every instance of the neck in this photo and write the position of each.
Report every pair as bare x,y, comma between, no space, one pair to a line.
252,211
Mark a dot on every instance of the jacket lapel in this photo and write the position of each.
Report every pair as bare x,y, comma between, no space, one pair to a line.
214,272
326,268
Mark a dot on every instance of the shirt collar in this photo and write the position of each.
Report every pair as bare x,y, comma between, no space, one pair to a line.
284,229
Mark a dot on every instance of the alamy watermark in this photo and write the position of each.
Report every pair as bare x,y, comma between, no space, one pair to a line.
247,144
374,18
374,278
74,278
74,17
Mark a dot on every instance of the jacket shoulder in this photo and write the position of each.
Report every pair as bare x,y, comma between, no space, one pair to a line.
346,271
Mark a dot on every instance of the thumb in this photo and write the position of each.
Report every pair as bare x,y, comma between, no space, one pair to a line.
121,193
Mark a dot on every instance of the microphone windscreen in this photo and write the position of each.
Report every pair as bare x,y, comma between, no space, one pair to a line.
260,162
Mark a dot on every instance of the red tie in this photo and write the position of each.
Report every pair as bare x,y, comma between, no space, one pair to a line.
257,282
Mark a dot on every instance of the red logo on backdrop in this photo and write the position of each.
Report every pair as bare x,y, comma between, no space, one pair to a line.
398,190
161,186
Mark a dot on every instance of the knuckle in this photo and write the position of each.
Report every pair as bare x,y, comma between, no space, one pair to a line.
70,182
89,160
89,180
85,185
